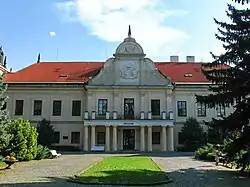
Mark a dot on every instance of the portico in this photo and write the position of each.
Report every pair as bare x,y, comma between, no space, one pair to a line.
132,138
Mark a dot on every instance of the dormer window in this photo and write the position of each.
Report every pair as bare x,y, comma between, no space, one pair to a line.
188,75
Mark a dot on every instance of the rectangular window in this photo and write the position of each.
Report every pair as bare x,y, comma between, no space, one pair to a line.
201,110
155,107
76,108
180,138
19,108
100,138
182,108
56,137
156,138
37,108
102,107
57,108
220,110
75,137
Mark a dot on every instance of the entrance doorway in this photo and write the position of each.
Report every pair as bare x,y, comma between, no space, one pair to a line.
128,108
128,139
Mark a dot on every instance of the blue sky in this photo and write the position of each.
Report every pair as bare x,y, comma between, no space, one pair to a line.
90,30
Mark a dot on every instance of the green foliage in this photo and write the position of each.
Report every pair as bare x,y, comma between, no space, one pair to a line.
23,143
242,1
206,152
1,158
193,134
4,117
42,152
230,73
45,133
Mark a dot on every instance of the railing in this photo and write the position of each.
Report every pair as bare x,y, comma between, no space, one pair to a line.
142,116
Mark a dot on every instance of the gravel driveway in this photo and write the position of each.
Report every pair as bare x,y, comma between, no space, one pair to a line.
185,172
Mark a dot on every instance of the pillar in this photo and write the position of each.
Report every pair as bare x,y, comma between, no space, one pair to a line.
170,138
121,148
164,138
114,138
86,138
142,138
92,136
107,138
149,138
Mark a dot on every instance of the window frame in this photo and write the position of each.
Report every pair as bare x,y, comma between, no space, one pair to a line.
39,109
54,111
103,141
219,109
75,139
101,103
55,141
74,110
156,112
19,111
201,109
182,112
156,138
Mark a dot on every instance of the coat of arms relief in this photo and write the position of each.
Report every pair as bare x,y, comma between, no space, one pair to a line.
129,71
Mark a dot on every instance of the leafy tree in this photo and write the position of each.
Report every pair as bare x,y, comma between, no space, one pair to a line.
45,133
4,117
241,1
230,75
23,143
193,134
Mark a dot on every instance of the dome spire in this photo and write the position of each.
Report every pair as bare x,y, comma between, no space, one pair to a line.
129,31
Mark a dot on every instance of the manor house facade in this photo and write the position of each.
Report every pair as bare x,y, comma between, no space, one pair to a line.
128,102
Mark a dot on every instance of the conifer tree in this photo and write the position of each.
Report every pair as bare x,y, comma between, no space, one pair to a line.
230,75
4,117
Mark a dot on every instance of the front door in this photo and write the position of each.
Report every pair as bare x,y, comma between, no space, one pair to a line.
128,108
128,139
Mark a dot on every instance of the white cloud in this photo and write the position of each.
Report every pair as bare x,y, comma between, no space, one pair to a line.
52,33
109,20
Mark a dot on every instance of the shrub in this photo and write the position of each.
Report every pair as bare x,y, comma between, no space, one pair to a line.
206,152
45,133
193,134
1,158
42,152
23,143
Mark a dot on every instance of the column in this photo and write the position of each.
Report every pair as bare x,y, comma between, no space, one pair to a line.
92,136
164,138
142,138
114,138
86,138
107,138
121,148
170,138
169,102
149,138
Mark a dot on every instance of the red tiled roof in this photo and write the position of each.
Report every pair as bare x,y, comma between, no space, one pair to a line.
81,71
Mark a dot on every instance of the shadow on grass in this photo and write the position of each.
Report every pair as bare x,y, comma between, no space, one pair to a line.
123,177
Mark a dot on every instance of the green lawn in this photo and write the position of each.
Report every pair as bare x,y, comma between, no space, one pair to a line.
123,170
2,166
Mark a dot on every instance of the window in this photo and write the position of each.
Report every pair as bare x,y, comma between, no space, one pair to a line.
37,107
220,110
155,107
156,138
76,108
19,108
201,110
57,107
100,138
75,137
182,108
180,138
102,107
56,137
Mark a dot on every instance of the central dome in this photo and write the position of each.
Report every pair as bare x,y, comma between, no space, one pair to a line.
129,47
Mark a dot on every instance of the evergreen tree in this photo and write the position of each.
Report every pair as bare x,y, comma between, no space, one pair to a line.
193,134
230,75
4,117
45,133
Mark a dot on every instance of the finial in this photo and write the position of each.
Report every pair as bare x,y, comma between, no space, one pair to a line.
5,62
129,31
38,58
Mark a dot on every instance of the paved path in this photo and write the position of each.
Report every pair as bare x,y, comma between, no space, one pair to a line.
185,172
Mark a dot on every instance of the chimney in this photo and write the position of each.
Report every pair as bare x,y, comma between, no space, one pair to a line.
174,58
190,59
